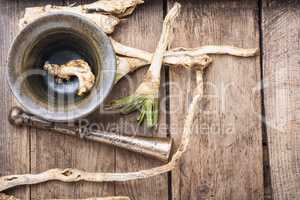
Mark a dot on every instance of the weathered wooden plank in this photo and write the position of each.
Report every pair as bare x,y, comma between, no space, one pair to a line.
50,150
14,143
224,160
281,69
142,30
132,32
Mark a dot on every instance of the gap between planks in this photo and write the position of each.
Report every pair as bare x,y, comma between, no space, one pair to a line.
266,161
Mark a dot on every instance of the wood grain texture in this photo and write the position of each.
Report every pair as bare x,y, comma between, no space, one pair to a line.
224,160
141,30
225,157
14,142
281,69
50,150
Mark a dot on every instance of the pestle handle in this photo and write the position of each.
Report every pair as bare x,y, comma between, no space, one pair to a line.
159,148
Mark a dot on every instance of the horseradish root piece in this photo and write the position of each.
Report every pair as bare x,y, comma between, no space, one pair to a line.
106,22
214,49
146,97
118,8
124,50
198,58
131,59
105,13
78,68
126,65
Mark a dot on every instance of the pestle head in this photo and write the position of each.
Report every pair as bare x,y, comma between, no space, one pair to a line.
15,116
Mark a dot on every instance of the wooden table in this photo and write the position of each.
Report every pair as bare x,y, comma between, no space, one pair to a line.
233,154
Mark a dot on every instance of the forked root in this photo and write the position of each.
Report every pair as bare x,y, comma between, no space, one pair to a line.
124,50
131,59
130,64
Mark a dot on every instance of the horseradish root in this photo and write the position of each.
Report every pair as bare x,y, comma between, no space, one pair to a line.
105,13
213,49
78,68
106,22
131,59
118,8
126,65
190,58
146,97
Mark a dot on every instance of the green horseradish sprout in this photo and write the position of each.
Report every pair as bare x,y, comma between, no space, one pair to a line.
146,97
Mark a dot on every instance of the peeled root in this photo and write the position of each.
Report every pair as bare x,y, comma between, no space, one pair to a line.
213,49
127,51
127,64
78,68
118,8
105,13
131,59
106,22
